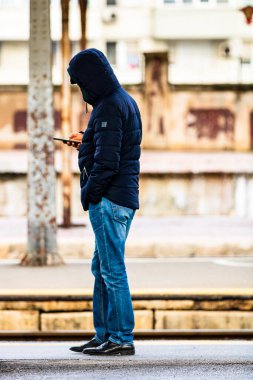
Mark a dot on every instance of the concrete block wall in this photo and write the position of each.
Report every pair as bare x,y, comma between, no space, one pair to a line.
149,315
160,195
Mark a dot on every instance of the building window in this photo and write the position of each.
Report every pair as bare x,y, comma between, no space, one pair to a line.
54,53
133,55
169,1
111,52
111,2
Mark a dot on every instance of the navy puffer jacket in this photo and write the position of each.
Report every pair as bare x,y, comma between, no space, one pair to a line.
110,151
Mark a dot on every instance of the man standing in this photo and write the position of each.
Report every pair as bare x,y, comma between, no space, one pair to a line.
109,153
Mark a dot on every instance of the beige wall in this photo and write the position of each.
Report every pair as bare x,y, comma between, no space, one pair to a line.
175,117
14,62
189,118
163,195
210,120
13,100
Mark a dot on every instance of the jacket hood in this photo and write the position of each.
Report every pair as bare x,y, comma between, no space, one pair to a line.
94,75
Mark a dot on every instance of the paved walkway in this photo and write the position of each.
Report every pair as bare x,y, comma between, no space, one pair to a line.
182,360
148,237
165,275
150,227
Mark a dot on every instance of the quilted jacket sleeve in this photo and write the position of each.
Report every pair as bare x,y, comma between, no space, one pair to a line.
107,141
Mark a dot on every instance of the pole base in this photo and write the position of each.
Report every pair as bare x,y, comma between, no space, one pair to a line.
50,260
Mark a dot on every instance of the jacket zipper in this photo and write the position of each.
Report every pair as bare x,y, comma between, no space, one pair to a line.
84,170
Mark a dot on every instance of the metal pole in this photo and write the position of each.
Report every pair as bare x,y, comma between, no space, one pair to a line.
83,11
65,117
42,228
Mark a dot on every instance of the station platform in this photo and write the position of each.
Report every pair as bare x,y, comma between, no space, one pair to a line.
153,359
168,294
149,237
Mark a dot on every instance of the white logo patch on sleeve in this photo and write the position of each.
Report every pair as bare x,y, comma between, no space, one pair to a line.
104,124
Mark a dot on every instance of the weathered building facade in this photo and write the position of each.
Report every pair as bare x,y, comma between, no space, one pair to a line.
175,117
197,143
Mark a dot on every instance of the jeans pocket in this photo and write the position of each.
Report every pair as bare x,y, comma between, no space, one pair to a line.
94,206
121,213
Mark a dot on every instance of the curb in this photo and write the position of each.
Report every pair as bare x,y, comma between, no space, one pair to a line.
137,294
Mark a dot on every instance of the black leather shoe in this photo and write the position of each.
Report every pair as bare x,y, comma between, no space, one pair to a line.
110,348
92,343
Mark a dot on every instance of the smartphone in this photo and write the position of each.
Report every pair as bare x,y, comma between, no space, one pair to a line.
66,140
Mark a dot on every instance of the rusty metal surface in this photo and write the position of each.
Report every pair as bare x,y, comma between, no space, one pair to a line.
156,101
211,122
42,245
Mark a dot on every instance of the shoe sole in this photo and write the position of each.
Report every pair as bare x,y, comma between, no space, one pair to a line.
76,352
80,352
120,353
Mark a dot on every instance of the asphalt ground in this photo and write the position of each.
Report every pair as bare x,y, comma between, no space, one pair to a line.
181,273
182,360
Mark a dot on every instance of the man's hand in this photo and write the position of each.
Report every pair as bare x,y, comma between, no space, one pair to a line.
75,136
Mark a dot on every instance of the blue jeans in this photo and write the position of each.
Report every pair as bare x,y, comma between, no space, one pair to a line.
113,315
